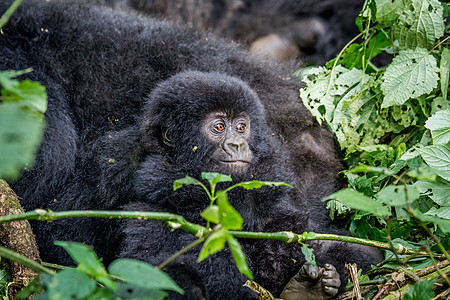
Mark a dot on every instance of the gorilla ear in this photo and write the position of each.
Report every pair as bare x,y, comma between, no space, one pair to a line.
167,136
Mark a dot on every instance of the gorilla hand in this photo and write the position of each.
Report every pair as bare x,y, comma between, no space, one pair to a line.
312,283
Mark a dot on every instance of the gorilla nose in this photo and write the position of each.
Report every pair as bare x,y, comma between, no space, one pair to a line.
235,145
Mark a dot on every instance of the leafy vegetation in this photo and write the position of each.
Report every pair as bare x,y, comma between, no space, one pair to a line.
385,97
392,123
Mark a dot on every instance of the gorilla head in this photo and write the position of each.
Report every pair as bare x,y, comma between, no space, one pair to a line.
206,122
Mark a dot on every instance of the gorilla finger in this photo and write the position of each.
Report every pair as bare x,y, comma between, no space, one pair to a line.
331,275
335,282
313,272
330,267
330,291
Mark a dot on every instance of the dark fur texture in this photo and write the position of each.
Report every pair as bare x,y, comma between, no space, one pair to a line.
319,29
112,80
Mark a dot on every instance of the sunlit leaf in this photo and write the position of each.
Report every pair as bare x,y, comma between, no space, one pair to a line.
215,243
439,124
395,195
211,214
309,255
255,184
228,216
188,180
239,256
411,74
215,178
359,201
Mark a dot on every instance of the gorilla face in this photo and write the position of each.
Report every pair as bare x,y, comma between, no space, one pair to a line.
229,135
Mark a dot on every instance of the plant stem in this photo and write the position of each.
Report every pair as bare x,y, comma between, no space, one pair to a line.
176,221
173,220
25,261
181,252
8,13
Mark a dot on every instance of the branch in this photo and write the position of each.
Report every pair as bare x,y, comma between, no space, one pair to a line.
176,221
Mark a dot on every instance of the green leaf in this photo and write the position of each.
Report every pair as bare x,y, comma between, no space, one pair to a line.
214,243
255,184
438,191
388,11
239,256
411,74
443,212
439,124
28,94
309,255
130,291
437,157
20,137
229,217
87,261
356,200
445,72
188,180
420,24
215,178
211,214
420,290
70,284
143,275
395,195
430,216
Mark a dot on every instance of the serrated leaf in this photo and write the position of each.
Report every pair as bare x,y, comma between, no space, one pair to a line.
255,184
211,214
229,218
188,180
356,200
444,224
214,243
309,255
411,74
420,24
442,212
317,96
388,11
437,157
143,275
438,191
215,178
439,124
396,195
445,71
239,256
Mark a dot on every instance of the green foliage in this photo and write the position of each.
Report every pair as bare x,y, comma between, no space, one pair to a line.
420,290
392,122
224,215
132,279
22,107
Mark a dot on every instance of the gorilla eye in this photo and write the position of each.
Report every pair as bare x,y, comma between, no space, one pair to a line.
219,127
241,127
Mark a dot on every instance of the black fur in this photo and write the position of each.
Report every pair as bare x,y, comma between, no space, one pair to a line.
112,79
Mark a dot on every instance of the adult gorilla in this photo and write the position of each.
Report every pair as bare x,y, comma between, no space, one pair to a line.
106,147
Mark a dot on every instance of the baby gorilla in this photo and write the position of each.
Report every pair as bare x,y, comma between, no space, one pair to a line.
196,122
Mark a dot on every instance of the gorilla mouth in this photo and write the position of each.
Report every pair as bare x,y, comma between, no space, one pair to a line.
235,162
